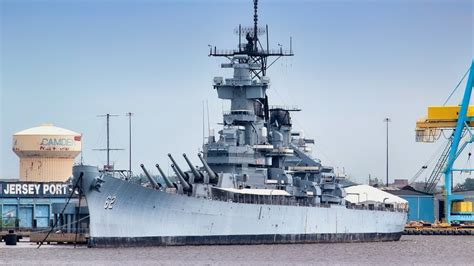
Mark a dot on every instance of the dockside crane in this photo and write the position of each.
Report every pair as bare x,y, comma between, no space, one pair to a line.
438,170
460,119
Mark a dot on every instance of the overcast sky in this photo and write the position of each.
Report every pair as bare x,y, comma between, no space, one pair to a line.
355,63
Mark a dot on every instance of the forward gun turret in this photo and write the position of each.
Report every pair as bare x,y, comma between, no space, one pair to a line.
197,175
210,172
186,186
153,183
167,181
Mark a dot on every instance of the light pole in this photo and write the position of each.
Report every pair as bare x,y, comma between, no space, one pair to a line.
387,120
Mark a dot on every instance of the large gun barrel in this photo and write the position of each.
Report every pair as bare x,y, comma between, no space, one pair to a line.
197,175
176,165
181,178
151,179
209,171
167,181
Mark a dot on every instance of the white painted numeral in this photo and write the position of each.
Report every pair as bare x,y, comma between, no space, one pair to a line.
109,202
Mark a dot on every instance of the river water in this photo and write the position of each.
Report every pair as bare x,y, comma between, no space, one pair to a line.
409,250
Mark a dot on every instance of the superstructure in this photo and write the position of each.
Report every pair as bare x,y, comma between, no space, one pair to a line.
257,182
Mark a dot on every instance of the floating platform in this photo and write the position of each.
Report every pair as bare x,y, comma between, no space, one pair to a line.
451,230
60,238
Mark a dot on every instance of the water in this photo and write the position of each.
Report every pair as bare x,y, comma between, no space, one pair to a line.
409,250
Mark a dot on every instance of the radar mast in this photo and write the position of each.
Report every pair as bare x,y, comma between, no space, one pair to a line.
253,52
253,48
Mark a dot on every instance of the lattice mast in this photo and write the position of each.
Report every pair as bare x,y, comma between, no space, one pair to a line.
254,50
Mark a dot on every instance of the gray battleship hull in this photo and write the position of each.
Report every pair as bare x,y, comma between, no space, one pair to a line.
125,214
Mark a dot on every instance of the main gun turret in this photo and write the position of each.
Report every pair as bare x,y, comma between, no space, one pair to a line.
197,175
210,172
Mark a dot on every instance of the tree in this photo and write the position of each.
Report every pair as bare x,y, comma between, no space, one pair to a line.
467,185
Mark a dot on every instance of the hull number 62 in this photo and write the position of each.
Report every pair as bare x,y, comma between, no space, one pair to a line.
109,202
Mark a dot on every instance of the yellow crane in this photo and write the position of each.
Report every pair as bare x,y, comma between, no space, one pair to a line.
459,119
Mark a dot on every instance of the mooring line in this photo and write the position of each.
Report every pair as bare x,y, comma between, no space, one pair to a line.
62,212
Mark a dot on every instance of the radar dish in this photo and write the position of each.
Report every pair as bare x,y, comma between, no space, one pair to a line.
249,30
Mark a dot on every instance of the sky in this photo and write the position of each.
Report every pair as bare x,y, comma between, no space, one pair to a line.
355,63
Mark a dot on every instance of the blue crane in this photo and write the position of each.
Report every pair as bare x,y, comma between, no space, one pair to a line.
461,119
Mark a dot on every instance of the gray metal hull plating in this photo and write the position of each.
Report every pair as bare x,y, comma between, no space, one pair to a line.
141,216
241,239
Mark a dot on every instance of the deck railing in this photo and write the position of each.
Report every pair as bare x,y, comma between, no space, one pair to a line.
307,202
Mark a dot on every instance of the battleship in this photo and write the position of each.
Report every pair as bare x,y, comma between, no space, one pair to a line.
257,182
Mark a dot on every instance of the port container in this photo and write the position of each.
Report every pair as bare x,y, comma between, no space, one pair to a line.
462,207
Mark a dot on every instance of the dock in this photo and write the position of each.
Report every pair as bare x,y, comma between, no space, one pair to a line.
59,238
439,230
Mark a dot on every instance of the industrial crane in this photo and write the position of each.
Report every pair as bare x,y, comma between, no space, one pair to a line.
460,119
437,171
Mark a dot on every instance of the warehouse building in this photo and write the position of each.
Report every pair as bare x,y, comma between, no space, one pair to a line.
37,199
421,206
35,205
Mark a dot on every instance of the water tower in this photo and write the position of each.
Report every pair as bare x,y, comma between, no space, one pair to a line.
46,153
